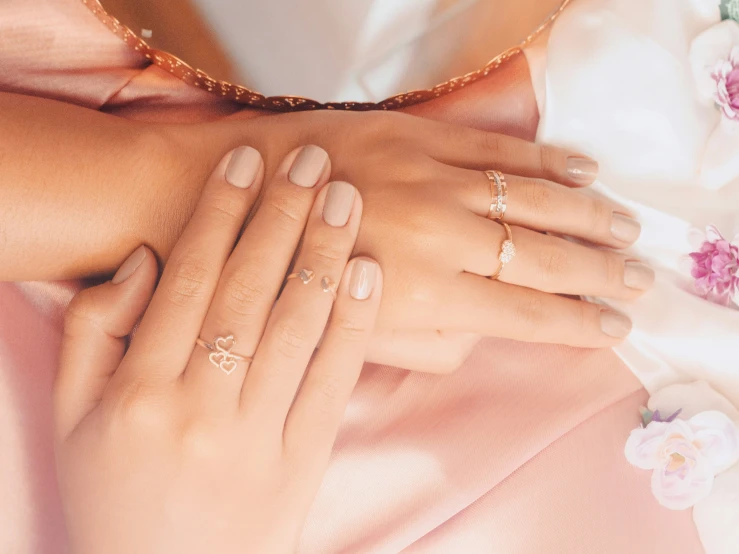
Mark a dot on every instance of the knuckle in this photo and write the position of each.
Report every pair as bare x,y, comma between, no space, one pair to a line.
328,388
188,283
288,210
598,213
83,312
553,262
199,442
135,403
244,292
530,313
225,210
538,197
351,329
291,341
613,268
492,145
548,157
328,252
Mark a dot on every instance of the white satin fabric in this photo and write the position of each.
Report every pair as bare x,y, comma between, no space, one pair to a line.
625,82
620,87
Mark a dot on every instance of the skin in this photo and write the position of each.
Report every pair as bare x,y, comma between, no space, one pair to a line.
435,256
160,451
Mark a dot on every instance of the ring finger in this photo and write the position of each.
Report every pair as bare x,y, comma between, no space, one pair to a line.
555,265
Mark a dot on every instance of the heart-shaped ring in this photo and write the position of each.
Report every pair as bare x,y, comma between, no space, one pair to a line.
221,353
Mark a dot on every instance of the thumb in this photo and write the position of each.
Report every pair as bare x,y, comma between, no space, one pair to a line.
96,326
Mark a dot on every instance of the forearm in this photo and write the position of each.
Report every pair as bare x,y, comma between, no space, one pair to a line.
80,189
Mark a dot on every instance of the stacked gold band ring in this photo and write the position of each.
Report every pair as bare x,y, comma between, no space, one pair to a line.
498,195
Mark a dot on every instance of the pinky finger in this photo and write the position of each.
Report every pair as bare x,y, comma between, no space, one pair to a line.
316,414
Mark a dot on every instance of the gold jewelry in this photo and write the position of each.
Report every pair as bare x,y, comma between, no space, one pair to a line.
507,251
327,285
498,195
305,275
222,355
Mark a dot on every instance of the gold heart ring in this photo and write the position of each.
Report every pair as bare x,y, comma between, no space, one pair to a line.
222,355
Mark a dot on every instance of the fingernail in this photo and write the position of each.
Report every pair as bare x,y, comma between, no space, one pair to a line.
308,166
129,266
364,274
582,170
638,276
339,203
624,228
243,167
614,324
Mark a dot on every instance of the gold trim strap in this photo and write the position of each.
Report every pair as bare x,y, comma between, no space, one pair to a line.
243,95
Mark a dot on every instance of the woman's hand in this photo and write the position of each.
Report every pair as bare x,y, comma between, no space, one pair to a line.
425,200
212,432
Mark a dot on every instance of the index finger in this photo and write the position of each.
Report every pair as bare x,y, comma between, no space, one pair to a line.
176,312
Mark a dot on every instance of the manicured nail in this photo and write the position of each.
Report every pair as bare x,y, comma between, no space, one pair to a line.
614,324
339,203
243,167
582,170
308,166
638,276
129,266
624,228
364,274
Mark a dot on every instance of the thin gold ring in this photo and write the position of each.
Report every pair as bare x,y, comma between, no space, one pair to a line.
327,285
221,353
507,251
305,275
498,195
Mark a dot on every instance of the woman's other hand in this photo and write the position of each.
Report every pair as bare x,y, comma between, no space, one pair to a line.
212,430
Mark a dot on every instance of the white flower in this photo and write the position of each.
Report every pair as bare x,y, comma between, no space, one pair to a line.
684,456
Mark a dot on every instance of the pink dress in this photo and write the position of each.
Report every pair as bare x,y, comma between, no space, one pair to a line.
519,451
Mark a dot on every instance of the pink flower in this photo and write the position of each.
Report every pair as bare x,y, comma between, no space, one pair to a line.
726,75
716,268
684,456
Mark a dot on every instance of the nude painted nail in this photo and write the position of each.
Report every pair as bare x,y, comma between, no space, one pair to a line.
624,228
614,324
339,203
638,276
128,267
308,166
243,167
364,275
582,170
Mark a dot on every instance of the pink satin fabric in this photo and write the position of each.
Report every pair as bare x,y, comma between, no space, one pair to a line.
520,451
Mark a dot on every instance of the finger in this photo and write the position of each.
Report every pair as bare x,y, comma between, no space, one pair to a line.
429,351
254,274
320,404
545,206
97,323
172,323
497,309
299,317
552,264
474,149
